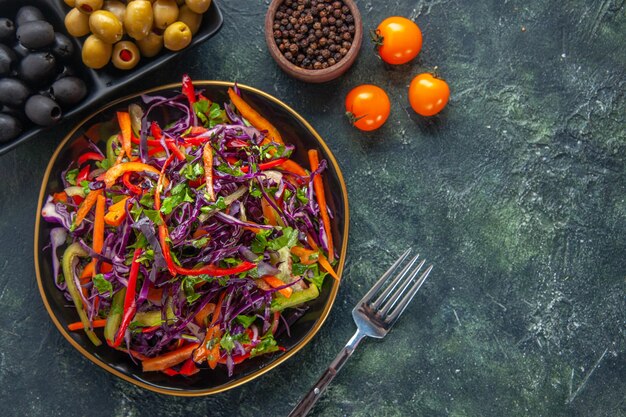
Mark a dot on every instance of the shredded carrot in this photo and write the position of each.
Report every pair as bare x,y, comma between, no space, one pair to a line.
204,312
307,256
60,197
255,118
117,213
322,259
117,171
318,186
123,118
274,282
169,359
80,326
268,212
98,228
86,206
207,157
176,151
87,272
293,167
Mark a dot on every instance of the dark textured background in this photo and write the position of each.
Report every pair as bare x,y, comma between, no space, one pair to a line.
516,193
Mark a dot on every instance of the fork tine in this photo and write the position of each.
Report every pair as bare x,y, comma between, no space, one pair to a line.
392,286
381,281
404,302
407,279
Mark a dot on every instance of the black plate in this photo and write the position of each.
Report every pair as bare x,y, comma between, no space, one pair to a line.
108,80
100,126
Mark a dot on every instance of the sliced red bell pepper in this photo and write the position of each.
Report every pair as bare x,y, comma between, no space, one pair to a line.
131,187
265,165
165,248
189,368
89,156
82,174
130,305
237,359
188,90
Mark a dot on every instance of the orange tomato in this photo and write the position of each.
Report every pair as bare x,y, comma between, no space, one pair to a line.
428,95
399,40
367,107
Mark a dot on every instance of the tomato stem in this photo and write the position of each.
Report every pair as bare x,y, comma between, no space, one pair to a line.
353,118
377,38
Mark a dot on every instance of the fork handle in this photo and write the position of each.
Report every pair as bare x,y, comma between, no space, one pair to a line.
306,404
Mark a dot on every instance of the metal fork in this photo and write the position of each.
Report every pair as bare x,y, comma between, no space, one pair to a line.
374,316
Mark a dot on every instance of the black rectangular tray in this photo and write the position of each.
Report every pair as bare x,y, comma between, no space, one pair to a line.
108,80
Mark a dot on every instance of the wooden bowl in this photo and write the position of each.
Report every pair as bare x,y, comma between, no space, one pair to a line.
307,75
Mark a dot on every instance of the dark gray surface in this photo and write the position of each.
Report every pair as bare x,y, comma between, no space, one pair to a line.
516,193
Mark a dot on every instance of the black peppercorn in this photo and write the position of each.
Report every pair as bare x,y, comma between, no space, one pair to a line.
313,34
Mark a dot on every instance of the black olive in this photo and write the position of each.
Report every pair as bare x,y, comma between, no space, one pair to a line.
7,59
42,110
7,30
36,34
37,69
63,47
13,92
28,14
68,90
10,127
20,50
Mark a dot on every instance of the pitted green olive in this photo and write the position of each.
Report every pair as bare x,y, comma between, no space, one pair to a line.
116,7
71,3
106,26
88,6
165,13
125,55
77,23
151,45
198,6
190,18
96,53
177,36
138,19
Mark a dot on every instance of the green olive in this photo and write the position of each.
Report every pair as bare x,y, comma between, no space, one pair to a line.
180,2
106,26
138,19
71,3
88,6
177,36
125,55
96,53
77,23
198,6
190,18
151,45
165,13
116,7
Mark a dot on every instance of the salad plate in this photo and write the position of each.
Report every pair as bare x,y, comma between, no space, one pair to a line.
101,125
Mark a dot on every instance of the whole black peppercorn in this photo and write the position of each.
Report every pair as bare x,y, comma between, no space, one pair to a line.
313,34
